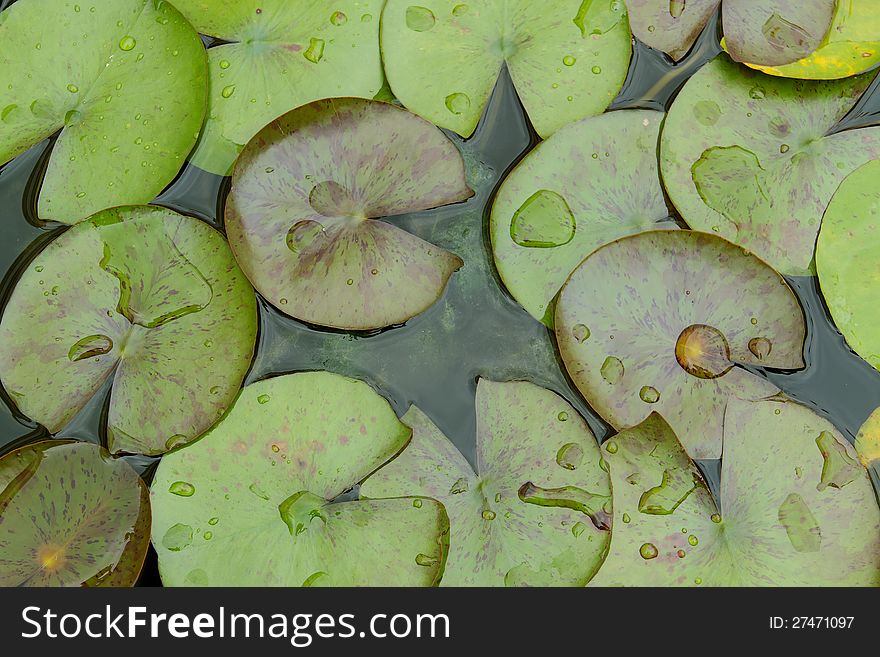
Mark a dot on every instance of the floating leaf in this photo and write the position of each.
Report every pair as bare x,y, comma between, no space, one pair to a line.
868,441
124,82
848,260
850,47
144,296
751,158
779,521
304,195
536,511
670,25
279,55
70,515
263,480
568,58
587,185
669,314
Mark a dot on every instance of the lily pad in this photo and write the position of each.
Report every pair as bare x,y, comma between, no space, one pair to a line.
70,515
568,58
659,321
868,441
300,216
125,84
536,511
786,477
590,183
850,47
848,260
142,295
753,157
251,503
279,55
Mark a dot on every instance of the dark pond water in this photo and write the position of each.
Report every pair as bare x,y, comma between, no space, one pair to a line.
476,329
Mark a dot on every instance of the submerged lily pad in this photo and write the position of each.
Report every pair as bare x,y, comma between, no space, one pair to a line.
752,157
70,515
658,322
535,513
279,55
124,82
300,216
851,46
144,296
589,184
251,503
868,441
568,58
848,260
796,507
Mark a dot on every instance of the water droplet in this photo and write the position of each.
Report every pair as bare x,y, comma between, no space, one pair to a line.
208,535
715,517
89,347
72,88
263,399
838,467
425,560
127,43
800,524
570,456
417,504
276,448
784,148
175,441
562,416
215,390
213,521
228,91
648,551
612,370
224,64
703,352
786,35
177,537
182,488
338,18
544,221
651,28
611,447
459,10
693,540
626,518
140,57
760,347
580,332
676,8
460,486
596,70
594,505
6,113
315,52
458,103
754,320
419,19
259,492
681,554
367,18
649,395
568,60
350,281
577,529
707,112
302,234
488,515
757,92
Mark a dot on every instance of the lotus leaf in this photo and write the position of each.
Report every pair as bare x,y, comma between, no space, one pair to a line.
300,216
868,441
546,219
659,321
141,295
124,82
70,515
786,479
251,503
568,58
278,55
848,260
751,157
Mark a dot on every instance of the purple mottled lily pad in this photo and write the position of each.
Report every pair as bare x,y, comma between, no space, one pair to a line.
71,515
124,82
535,511
251,503
796,507
658,321
277,55
568,58
754,157
144,296
590,183
301,216
670,25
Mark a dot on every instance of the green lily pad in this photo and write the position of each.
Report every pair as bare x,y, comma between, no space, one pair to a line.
546,219
868,441
658,322
251,503
300,216
568,58
70,515
142,295
281,55
125,83
536,511
848,260
750,157
796,507
850,47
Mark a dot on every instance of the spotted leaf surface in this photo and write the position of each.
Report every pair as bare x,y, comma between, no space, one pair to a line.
868,441
71,515
778,522
755,158
535,510
670,25
301,216
658,321
568,58
125,84
144,296
279,55
250,503
590,183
